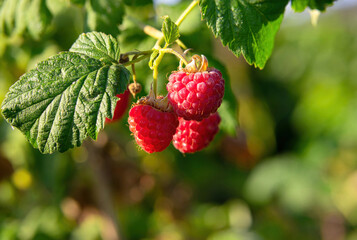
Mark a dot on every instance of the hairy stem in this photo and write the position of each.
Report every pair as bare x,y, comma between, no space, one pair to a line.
137,53
137,60
170,50
186,12
165,50
156,72
179,20
134,73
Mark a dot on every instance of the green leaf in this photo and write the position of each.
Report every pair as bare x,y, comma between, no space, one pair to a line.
247,27
104,15
79,2
301,5
170,30
138,2
19,16
7,16
153,57
97,45
38,17
64,100
229,116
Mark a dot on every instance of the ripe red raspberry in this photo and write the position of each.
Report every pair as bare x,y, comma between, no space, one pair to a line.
194,96
192,136
120,108
152,128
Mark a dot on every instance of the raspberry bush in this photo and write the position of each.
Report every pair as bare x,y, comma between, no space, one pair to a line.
147,82
71,96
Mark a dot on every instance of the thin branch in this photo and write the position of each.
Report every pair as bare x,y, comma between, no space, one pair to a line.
102,189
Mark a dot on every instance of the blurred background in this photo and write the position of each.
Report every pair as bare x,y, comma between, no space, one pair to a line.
287,171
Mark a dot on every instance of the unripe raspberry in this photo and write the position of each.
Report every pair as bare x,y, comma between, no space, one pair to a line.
192,136
195,95
153,129
121,107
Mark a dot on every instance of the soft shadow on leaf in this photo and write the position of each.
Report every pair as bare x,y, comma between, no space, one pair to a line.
246,27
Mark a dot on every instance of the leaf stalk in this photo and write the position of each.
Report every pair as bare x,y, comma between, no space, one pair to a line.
165,50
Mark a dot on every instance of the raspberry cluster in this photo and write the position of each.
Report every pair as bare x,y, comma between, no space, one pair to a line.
194,95
187,116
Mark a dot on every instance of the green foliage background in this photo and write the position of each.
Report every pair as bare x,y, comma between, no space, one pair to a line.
289,173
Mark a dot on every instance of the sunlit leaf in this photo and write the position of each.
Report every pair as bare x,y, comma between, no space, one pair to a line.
247,27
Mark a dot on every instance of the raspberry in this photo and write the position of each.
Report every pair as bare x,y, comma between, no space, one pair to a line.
192,136
153,129
194,96
120,108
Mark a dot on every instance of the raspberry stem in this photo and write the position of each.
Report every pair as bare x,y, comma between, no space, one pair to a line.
179,20
165,50
133,70
156,72
136,60
138,53
186,12
157,62
170,50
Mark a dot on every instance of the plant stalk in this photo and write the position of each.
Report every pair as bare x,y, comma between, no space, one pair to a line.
102,189
179,20
136,60
138,53
186,12
170,50
164,49
156,72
